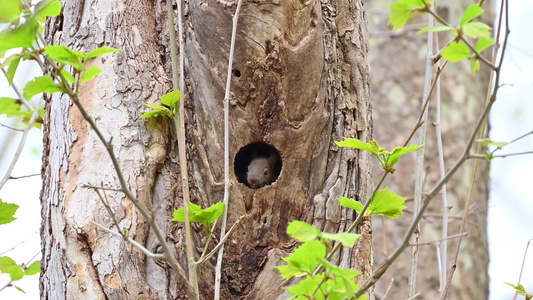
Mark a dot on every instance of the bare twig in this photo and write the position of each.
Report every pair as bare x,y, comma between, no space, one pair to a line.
22,142
218,268
480,129
222,241
131,241
428,87
443,239
522,269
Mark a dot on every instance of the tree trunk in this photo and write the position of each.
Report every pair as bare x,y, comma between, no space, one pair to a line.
397,64
299,83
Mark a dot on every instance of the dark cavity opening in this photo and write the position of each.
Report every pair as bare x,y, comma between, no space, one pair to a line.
236,73
257,165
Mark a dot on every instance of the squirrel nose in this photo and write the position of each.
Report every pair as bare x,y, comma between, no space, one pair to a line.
253,183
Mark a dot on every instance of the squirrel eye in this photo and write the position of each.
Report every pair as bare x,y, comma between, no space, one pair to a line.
265,172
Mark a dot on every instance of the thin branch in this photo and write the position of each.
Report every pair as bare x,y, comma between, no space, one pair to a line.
179,123
22,142
221,243
443,239
12,128
90,186
522,268
131,241
24,176
480,129
218,268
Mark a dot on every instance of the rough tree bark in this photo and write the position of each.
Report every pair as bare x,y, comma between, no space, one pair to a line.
397,63
300,82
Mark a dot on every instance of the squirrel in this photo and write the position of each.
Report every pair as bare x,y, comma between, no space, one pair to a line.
261,170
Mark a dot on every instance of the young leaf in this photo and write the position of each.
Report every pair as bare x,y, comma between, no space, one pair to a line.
483,43
12,108
304,260
22,36
43,84
303,231
10,10
68,77
9,266
157,110
171,98
179,215
10,74
488,142
386,203
476,29
347,239
48,8
7,212
357,144
351,203
100,51
34,268
90,74
475,65
209,215
455,52
472,12
307,287
65,56
399,152
520,290
400,14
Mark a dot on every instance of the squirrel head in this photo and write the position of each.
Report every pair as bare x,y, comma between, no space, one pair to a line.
261,171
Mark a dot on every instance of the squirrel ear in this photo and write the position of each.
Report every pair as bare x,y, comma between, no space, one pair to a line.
272,159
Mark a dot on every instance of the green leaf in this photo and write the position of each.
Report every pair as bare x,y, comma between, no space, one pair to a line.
179,215
476,29
386,203
472,12
90,74
22,36
303,231
100,51
157,110
34,268
10,10
197,214
399,152
490,143
171,98
483,43
307,287
48,8
400,14
155,113
209,215
357,144
9,266
68,77
518,288
10,74
475,65
12,108
7,212
65,56
304,260
351,203
43,84
434,29
345,238
455,52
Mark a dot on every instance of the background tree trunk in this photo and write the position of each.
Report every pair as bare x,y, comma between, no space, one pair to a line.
300,82
397,63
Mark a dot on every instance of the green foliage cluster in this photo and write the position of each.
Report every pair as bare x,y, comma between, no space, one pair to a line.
20,41
459,48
